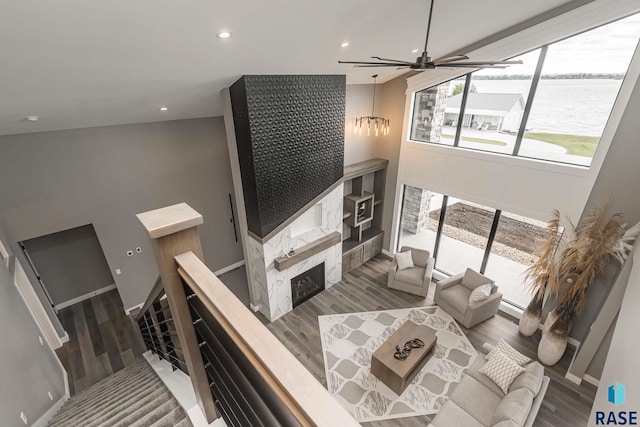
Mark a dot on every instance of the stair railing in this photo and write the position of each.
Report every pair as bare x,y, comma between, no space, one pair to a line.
158,330
239,370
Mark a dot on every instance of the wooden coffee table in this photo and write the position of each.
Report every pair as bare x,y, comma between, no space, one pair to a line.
397,374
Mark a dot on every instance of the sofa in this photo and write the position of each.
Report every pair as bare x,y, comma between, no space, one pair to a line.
414,280
478,402
452,295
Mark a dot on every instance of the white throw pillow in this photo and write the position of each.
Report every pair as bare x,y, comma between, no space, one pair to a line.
510,352
501,370
480,293
404,260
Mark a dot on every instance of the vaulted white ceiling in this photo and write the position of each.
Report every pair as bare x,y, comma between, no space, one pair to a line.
81,63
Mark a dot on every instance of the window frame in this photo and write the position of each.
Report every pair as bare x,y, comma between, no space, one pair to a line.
529,103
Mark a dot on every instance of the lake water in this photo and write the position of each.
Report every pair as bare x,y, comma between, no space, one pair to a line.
574,107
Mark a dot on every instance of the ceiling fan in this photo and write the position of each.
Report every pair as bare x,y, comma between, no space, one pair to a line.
424,62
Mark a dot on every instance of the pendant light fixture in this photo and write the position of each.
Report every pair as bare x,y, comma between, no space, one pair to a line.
372,123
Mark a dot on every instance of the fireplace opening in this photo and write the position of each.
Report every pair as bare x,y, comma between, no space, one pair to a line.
306,285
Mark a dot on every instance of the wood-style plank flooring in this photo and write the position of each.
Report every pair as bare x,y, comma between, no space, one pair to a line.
364,289
102,340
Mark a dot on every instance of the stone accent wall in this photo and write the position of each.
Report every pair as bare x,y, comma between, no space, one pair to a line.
415,209
430,105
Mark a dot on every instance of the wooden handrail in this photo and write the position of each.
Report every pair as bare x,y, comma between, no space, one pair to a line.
156,293
308,401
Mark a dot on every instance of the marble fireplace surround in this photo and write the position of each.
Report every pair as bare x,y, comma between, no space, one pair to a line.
272,288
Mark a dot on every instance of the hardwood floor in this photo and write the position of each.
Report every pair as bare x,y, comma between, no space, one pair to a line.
364,289
102,340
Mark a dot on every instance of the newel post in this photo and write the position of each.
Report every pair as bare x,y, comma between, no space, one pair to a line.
173,231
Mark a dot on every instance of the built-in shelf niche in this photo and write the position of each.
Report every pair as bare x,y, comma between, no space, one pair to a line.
364,185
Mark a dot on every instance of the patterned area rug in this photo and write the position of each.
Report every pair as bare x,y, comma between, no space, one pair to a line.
349,340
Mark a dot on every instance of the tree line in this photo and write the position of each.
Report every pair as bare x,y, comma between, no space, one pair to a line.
568,76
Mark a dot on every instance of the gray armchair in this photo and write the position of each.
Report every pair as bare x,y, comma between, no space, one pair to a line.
414,280
452,295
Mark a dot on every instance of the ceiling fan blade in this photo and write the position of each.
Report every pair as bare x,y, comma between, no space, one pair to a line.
470,66
371,63
377,65
451,59
392,60
482,63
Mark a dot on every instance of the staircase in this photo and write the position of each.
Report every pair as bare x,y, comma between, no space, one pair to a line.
133,396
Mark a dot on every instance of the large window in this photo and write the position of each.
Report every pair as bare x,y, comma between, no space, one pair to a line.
461,234
552,107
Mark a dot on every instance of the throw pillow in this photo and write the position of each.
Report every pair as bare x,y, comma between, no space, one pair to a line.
404,260
501,370
480,293
510,352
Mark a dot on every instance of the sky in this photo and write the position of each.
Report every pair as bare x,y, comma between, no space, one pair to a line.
606,49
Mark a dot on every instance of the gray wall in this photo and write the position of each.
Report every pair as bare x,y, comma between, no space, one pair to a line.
104,176
618,178
27,370
390,103
70,263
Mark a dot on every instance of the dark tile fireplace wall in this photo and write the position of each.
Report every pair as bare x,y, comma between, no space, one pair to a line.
290,137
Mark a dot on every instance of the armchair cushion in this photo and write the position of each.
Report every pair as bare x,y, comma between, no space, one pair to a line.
473,279
457,297
412,275
404,260
420,257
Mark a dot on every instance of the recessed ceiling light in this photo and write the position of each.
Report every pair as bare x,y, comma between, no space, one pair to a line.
224,34
415,51
164,108
344,44
32,118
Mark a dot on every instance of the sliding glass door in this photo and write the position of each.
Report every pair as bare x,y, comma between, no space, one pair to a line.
461,234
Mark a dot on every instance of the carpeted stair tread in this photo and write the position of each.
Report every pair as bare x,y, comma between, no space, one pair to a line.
131,374
129,411
162,408
110,397
172,418
134,396
111,391
118,408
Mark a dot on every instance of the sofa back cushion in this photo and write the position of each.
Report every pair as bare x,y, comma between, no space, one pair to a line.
531,378
513,408
473,279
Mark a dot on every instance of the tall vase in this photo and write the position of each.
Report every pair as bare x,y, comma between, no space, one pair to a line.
555,335
551,348
530,319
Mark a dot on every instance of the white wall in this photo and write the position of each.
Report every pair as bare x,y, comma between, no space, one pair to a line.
622,361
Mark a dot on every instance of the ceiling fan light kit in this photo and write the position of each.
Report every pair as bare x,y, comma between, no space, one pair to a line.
424,61
375,123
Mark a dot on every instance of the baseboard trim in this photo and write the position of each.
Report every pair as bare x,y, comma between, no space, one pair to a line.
255,308
229,268
573,378
130,309
85,296
387,254
47,416
591,380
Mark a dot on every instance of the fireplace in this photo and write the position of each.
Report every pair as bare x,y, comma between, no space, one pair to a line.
306,285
